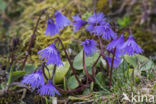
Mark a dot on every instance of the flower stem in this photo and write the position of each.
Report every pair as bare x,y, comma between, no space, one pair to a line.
71,65
47,70
85,69
10,74
42,67
110,80
102,54
54,70
93,67
32,39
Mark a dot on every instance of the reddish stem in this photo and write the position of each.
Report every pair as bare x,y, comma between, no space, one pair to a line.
71,65
85,69
31,41
102,54
54,70
110,81
42,67
101,46
93,67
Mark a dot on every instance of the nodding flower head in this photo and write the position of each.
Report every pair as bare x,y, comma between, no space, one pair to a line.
130,47
52,28
51,55
108,34
78,23
116,43
105,31
61,20
96,18
48,89
97,25
89,47
35,80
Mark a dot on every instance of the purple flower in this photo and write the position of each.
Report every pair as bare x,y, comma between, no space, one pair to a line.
78,22
90,28
48,89
116,43
97,25
108,32
52,28
96,18
51,55
35,80
116,62
61,20
89,47
130,47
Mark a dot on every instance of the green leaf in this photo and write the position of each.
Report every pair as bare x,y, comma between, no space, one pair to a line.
103,62
60,73
86,91
29,68
16,75
77,63
141,58
131,60
72,82
100,77
146,64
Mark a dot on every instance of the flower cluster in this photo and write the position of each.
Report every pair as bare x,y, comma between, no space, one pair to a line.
121,48
36,81
50,55
60,22
96,25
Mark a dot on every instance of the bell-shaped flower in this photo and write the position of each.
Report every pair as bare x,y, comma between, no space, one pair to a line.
51,55
96,18
52,28
78,23
48,89
35,80
61,20
89,47
116,43
130,47
116,62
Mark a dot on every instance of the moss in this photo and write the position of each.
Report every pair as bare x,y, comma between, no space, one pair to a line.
145,39
102,5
